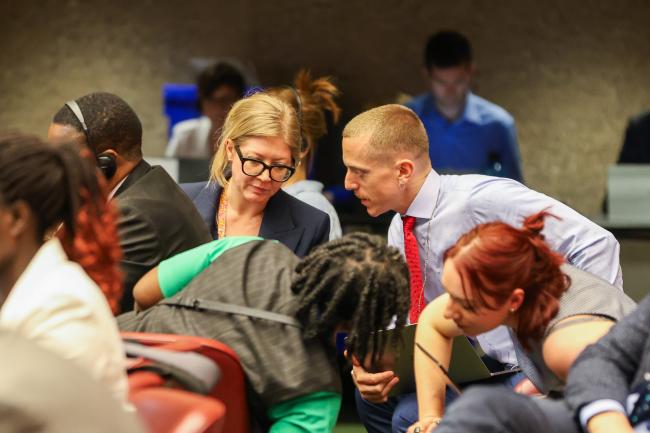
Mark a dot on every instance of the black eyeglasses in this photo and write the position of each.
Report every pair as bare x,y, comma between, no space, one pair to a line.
254,167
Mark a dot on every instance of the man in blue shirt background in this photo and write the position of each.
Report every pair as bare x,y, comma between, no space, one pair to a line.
467,134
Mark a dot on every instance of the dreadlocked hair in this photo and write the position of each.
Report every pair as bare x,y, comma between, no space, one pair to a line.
67,195
357,280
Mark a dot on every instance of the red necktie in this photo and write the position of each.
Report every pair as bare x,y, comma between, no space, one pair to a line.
413,261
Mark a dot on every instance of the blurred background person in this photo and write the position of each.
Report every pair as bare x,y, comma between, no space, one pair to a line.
219,87
258,150
311,98
467,134
47,292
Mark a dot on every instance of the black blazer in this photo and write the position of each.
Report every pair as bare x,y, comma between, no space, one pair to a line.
294,223
156,221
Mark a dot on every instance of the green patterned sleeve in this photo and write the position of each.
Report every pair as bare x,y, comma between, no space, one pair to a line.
176,272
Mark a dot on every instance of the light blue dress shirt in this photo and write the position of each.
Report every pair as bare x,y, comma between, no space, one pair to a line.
484,134
456,204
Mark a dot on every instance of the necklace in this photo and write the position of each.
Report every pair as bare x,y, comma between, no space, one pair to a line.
222,214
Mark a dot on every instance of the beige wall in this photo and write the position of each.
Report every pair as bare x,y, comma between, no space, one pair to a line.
571,72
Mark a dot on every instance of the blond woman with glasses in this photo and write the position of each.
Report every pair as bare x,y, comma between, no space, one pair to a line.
258,150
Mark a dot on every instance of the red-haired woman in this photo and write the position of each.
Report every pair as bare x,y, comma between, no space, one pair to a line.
500,275
47,292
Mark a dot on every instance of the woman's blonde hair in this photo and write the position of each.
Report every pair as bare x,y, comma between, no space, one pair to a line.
259,115
316,97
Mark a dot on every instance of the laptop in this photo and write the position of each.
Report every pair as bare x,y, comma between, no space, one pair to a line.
466,365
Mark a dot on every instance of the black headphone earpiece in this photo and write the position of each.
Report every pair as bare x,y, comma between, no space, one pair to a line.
105,161
107,164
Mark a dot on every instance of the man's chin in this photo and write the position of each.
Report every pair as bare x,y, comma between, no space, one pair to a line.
375,212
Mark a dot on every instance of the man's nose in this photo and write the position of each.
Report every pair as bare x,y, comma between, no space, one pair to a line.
349,183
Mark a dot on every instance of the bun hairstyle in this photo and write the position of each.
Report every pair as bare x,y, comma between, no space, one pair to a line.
317,96
66,193
494,259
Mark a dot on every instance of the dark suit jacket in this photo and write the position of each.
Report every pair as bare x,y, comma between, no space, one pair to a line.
157,220
294,223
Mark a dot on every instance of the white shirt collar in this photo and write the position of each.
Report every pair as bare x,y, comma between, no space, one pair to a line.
112,193
426,199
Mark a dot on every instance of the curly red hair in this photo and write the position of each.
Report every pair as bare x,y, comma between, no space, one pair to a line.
494,259
96,248
95,244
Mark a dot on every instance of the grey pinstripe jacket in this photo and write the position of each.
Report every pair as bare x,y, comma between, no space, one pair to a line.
278,363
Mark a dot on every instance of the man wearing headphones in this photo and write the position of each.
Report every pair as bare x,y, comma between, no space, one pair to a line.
157,220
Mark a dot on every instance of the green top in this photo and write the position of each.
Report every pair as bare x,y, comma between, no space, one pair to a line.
312,413
177,272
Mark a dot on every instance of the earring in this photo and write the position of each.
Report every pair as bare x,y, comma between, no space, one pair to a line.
512,310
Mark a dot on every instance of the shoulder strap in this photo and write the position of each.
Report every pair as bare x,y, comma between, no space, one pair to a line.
222,307
196,372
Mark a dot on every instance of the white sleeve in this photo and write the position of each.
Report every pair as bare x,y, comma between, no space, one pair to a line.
174,141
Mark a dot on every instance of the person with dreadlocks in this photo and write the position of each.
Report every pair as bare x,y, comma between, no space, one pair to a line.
280,314
59,292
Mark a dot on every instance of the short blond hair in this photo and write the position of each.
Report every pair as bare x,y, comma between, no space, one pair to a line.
259,115
391,129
